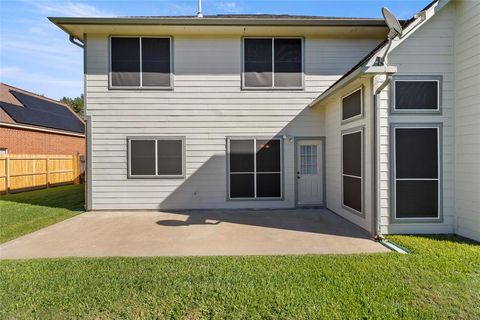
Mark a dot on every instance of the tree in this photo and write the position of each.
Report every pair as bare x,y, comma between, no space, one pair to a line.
75,103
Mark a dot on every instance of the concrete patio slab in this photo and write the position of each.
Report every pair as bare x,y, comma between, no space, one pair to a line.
194,233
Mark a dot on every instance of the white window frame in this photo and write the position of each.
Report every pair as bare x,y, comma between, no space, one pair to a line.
3,151
358,116
229,139
273,87
436,79
438,127
155,176
360,129
140,87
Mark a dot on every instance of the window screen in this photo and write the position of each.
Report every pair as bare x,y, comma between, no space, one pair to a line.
156,62
288,62
156,157
125,62
416,183
142,157
255,168
273,63
352,160
140,62
169,157
258,62
416,95
352,105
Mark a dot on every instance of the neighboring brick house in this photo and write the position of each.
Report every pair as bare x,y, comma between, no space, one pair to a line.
33,124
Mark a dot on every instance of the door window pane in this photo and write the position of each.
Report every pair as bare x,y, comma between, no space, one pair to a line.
308,159
258,62
352,105
169,157
242,156
420,95
156,62
125,61
288,62
142,157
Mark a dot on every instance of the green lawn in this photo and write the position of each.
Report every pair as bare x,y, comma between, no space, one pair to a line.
25,212
440,279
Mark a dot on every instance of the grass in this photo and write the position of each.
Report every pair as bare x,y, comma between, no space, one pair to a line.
22,213
440,279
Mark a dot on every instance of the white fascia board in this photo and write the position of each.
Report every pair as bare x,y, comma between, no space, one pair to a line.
360,72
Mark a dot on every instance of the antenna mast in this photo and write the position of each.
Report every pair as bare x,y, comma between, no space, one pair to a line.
199,14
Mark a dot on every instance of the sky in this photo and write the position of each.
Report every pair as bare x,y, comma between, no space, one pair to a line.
36,56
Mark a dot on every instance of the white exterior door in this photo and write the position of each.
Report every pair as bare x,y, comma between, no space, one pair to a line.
309,173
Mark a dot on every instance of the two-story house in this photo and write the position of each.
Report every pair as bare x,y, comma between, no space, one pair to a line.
266,111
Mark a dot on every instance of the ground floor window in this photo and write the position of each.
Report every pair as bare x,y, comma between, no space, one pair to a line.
416,168
254,168
352,170
152,157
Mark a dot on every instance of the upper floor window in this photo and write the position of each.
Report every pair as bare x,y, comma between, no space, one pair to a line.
273,63
420,94
352,105
140,62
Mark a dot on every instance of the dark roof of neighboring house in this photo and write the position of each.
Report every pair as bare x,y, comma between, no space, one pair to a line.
404,23
28,108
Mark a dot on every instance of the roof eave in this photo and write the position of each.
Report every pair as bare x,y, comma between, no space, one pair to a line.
359,72
218,21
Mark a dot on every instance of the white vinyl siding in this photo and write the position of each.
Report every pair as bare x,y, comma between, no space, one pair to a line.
467,119
334,129
427,52
206,106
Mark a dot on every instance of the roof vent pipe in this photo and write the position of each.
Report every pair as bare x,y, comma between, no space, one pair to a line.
199,13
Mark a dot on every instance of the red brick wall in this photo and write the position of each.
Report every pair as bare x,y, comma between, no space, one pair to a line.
20,141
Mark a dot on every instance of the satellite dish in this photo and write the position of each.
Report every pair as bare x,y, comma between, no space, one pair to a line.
392,23
395,30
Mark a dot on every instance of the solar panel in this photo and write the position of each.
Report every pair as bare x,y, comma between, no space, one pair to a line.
43,113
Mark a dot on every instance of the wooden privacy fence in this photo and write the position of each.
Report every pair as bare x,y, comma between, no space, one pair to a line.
22,172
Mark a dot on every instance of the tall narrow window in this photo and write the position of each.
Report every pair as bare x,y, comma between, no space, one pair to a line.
416,178
140,62
156,157
352,170
255,169
273,63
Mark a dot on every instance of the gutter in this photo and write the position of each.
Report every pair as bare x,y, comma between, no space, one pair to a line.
376,203
78,42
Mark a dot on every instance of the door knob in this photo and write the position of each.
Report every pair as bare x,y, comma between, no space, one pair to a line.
298,177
